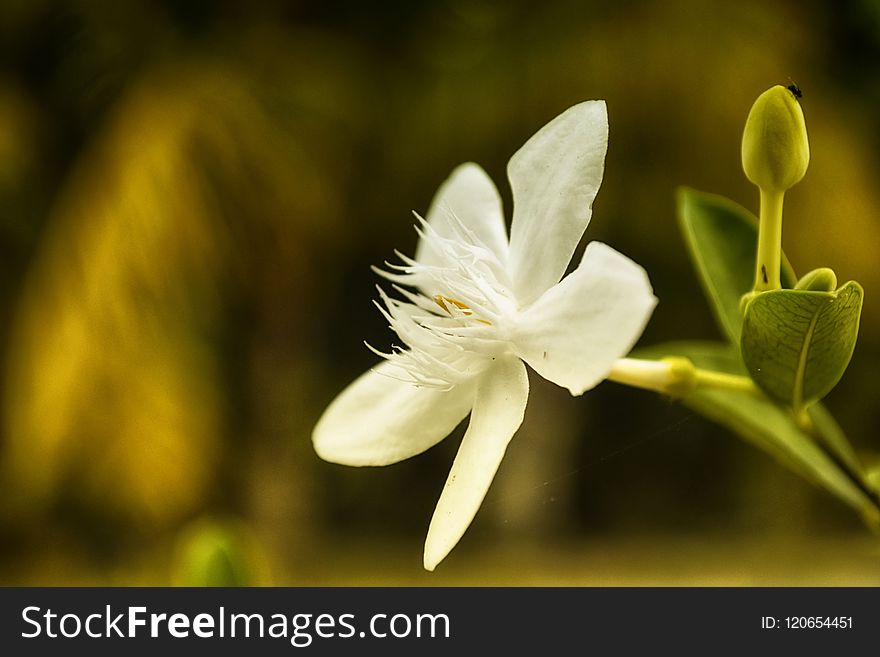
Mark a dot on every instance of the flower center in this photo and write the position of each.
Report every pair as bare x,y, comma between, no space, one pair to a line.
462,307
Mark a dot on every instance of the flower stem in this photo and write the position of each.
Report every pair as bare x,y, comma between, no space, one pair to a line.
724,381
675,376
805,423
767,262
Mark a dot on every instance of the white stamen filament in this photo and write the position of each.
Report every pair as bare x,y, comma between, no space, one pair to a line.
454,324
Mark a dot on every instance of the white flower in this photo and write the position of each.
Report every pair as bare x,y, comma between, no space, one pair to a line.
483,304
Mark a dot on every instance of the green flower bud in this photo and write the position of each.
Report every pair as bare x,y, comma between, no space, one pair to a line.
818,280
775,150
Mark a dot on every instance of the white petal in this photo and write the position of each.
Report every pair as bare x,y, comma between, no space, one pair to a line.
500,404
573,334
378,420
555,176
470,197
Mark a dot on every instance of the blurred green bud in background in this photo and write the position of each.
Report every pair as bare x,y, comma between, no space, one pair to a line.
218,552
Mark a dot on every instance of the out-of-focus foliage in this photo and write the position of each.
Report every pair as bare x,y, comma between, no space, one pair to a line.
191,195
114,364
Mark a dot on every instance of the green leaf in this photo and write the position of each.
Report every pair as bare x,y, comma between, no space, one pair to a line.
796,344
825,459
722,238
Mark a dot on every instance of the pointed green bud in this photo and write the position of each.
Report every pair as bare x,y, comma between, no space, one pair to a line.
775,150
818,280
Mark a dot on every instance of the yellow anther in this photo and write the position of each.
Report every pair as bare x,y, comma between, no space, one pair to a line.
441,301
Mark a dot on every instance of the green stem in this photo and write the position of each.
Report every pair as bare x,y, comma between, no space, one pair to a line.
724,381
676,376
805,423
769,256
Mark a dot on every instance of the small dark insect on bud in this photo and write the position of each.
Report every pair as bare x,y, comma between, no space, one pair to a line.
796,90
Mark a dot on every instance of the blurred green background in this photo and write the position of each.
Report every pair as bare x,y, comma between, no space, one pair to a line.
192,194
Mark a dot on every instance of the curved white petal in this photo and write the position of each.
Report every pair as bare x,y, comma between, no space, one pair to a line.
554,177
500,404
573,334
468,199
378,420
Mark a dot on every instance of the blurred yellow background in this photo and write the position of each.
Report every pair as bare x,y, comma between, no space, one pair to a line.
192,195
